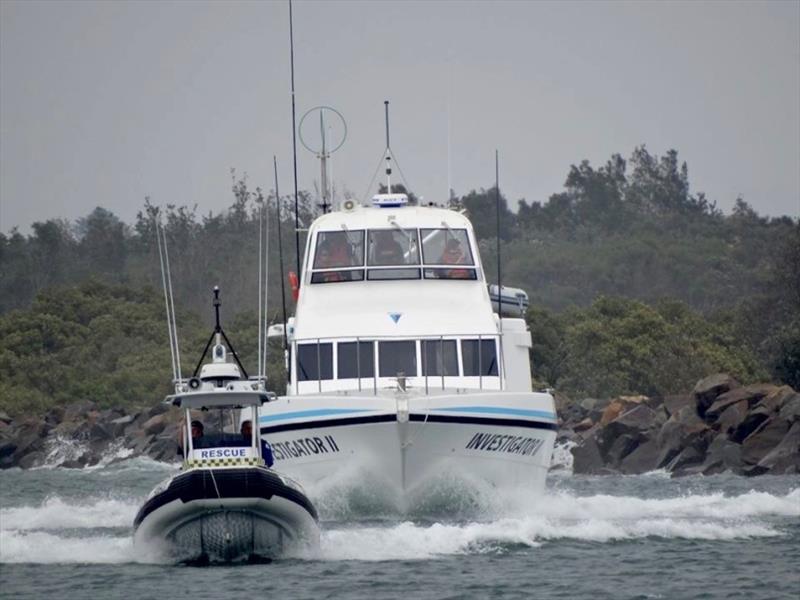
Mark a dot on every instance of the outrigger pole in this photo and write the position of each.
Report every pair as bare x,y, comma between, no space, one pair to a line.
294,144
280,250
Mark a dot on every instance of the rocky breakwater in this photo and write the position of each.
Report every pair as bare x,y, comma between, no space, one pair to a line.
720,426
81,434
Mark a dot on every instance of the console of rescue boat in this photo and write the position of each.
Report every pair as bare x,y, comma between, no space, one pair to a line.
226,504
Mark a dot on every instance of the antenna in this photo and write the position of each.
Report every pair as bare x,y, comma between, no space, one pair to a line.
280,249
294,145
163,259
497,211
323,147
388,151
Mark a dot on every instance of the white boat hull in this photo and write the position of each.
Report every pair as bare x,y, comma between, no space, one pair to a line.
413,442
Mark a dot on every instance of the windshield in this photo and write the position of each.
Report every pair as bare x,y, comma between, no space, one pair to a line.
446,247
392,247
337,249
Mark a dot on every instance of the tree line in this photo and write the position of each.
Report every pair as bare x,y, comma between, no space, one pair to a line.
637,285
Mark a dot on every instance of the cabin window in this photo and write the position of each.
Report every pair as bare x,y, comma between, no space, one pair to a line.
337,276
397,357
450,273
337,249
439,357
393,247
314,362
389,274
481,363
446,247
352,365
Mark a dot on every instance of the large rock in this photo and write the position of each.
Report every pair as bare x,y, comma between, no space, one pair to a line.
790,411
722,455
772,403
5,418
707,389
751,393
643,459
763,440
672,404
785,457
156,424
732,417
622,435
682,430
78,410
587,458
618,406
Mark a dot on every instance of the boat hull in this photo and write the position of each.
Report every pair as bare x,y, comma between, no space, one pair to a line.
226,515
411,444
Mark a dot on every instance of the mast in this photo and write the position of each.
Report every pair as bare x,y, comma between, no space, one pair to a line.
294,145
388,151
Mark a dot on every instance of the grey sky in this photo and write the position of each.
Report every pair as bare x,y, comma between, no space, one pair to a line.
102,103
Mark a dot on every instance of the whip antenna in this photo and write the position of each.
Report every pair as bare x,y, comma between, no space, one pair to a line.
280,249
294,145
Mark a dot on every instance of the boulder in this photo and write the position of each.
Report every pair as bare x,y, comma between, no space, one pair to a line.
790,411
5,418
158,409
155,424
672,404
751,393
583,425
772,403
100,432
732,417
31,459
54,416
621,447
749,425
633,425
687,462
618,406
682,429
587,458
722,455
643,459
785,457
162,449
78,410
763,440
707,389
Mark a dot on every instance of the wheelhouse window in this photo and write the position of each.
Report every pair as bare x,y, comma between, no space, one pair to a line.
314,362
397,357
392,247
355,362
439,357
338,249
389,274
337,276
479,363
446,247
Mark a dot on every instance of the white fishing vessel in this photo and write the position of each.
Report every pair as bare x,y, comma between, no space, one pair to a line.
399,369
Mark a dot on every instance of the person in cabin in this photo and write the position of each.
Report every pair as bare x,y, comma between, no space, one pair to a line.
334,252
454,255
247,436
197,434
387,250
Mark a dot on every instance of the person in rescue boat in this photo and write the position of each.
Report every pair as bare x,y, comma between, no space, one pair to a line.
266,450
334,252
197,433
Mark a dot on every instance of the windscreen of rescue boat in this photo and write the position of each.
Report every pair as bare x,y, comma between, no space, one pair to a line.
219,429
446,246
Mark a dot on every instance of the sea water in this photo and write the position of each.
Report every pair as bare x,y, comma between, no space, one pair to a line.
67,534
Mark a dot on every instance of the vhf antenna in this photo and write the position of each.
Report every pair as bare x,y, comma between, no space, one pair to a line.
388,151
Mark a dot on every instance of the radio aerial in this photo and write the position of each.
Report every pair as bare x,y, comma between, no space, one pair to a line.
323,130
